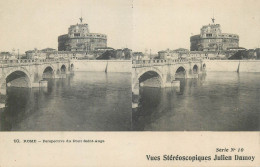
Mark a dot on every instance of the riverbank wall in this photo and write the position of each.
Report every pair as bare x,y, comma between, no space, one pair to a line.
103,65
232,65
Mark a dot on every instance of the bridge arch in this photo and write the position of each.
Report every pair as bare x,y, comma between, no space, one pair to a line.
71,66
16,78
46,66
180,72
195,69
148,74
58,71
63,68
48,72
204,66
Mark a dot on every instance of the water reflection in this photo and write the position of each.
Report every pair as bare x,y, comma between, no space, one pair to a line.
214,102
83,102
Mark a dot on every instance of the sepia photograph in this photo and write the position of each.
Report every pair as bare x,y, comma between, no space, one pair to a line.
65,65
130,83
70,66
197,66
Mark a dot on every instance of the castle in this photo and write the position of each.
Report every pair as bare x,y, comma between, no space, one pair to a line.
79,43
211,38
80,39
210,43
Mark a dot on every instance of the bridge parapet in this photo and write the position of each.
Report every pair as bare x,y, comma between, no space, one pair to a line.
162,62
11,63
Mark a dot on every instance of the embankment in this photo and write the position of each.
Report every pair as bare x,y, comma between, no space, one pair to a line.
233,65
102,65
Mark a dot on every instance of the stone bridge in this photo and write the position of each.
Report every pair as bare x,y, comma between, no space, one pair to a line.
163,73
31,73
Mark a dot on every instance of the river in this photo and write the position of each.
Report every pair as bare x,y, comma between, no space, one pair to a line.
217,101
85,101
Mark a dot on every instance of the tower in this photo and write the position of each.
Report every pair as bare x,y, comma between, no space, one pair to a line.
79,38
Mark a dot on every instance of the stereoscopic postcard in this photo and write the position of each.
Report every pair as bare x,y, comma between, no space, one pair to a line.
130,83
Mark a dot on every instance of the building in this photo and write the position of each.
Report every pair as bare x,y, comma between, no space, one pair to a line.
6,56
137,56
80,39
118,54
179,53
48,53
211,38
186,54
10,55
79,43
246,54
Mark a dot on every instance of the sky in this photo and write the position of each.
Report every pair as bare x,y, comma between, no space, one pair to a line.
136,24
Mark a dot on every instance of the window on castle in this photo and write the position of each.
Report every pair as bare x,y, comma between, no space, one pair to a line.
76,34
208,35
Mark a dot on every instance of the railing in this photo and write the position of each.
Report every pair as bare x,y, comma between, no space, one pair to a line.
161,62
18,62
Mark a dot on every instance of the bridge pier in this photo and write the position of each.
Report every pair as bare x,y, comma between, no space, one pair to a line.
169,80
2,96
174,83
48,75
43,84
71,70
135,96
68,71
38,80
39,84
191,74
2,100
203,70
3,90
60,74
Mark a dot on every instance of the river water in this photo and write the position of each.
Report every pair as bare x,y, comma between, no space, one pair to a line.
217,101
95,101
85,101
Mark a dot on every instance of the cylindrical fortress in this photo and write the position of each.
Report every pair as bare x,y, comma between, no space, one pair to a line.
80,39
212,39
